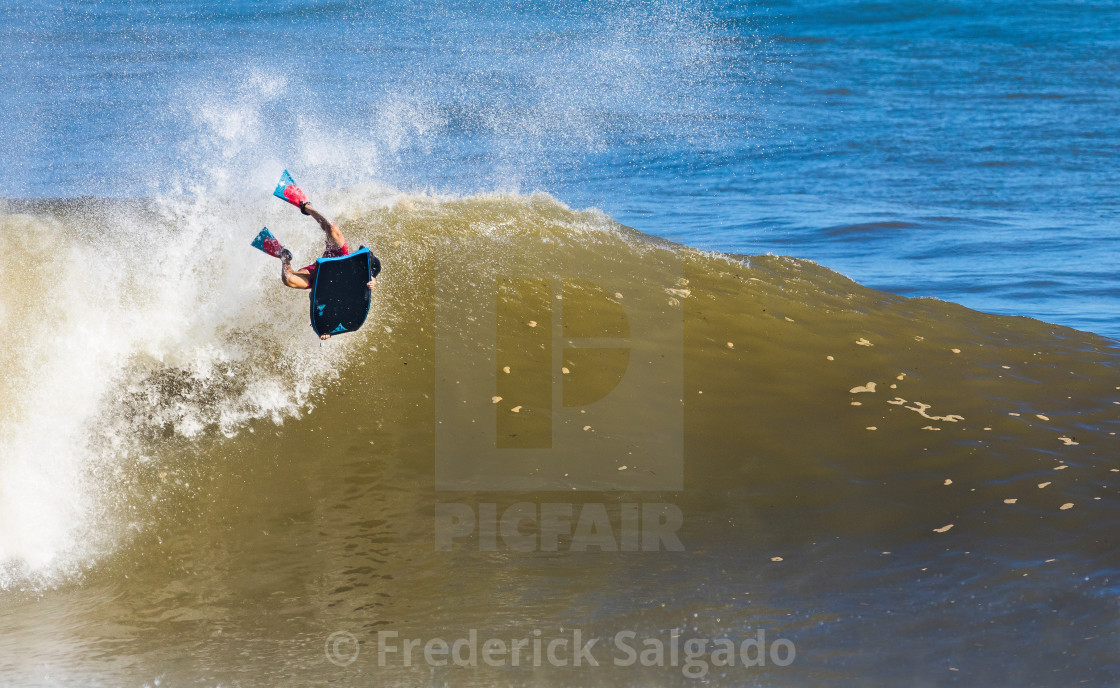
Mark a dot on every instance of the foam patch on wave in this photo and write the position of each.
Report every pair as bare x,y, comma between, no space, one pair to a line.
134,328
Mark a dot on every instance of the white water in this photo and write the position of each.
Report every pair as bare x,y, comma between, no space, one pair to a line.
124,324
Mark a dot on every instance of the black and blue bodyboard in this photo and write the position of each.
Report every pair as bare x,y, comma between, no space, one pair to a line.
339,296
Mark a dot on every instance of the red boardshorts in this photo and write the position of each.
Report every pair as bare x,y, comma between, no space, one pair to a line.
329,253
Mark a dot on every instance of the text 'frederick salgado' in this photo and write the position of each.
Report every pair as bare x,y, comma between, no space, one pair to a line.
694,657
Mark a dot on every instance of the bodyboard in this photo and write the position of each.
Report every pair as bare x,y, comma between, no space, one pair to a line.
339,296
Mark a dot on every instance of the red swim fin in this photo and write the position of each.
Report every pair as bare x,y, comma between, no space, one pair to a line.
268,243
287,190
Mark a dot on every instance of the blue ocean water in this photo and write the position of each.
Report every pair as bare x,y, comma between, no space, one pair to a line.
962,150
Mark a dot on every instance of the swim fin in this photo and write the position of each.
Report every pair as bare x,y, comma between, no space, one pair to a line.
268,243
287,190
